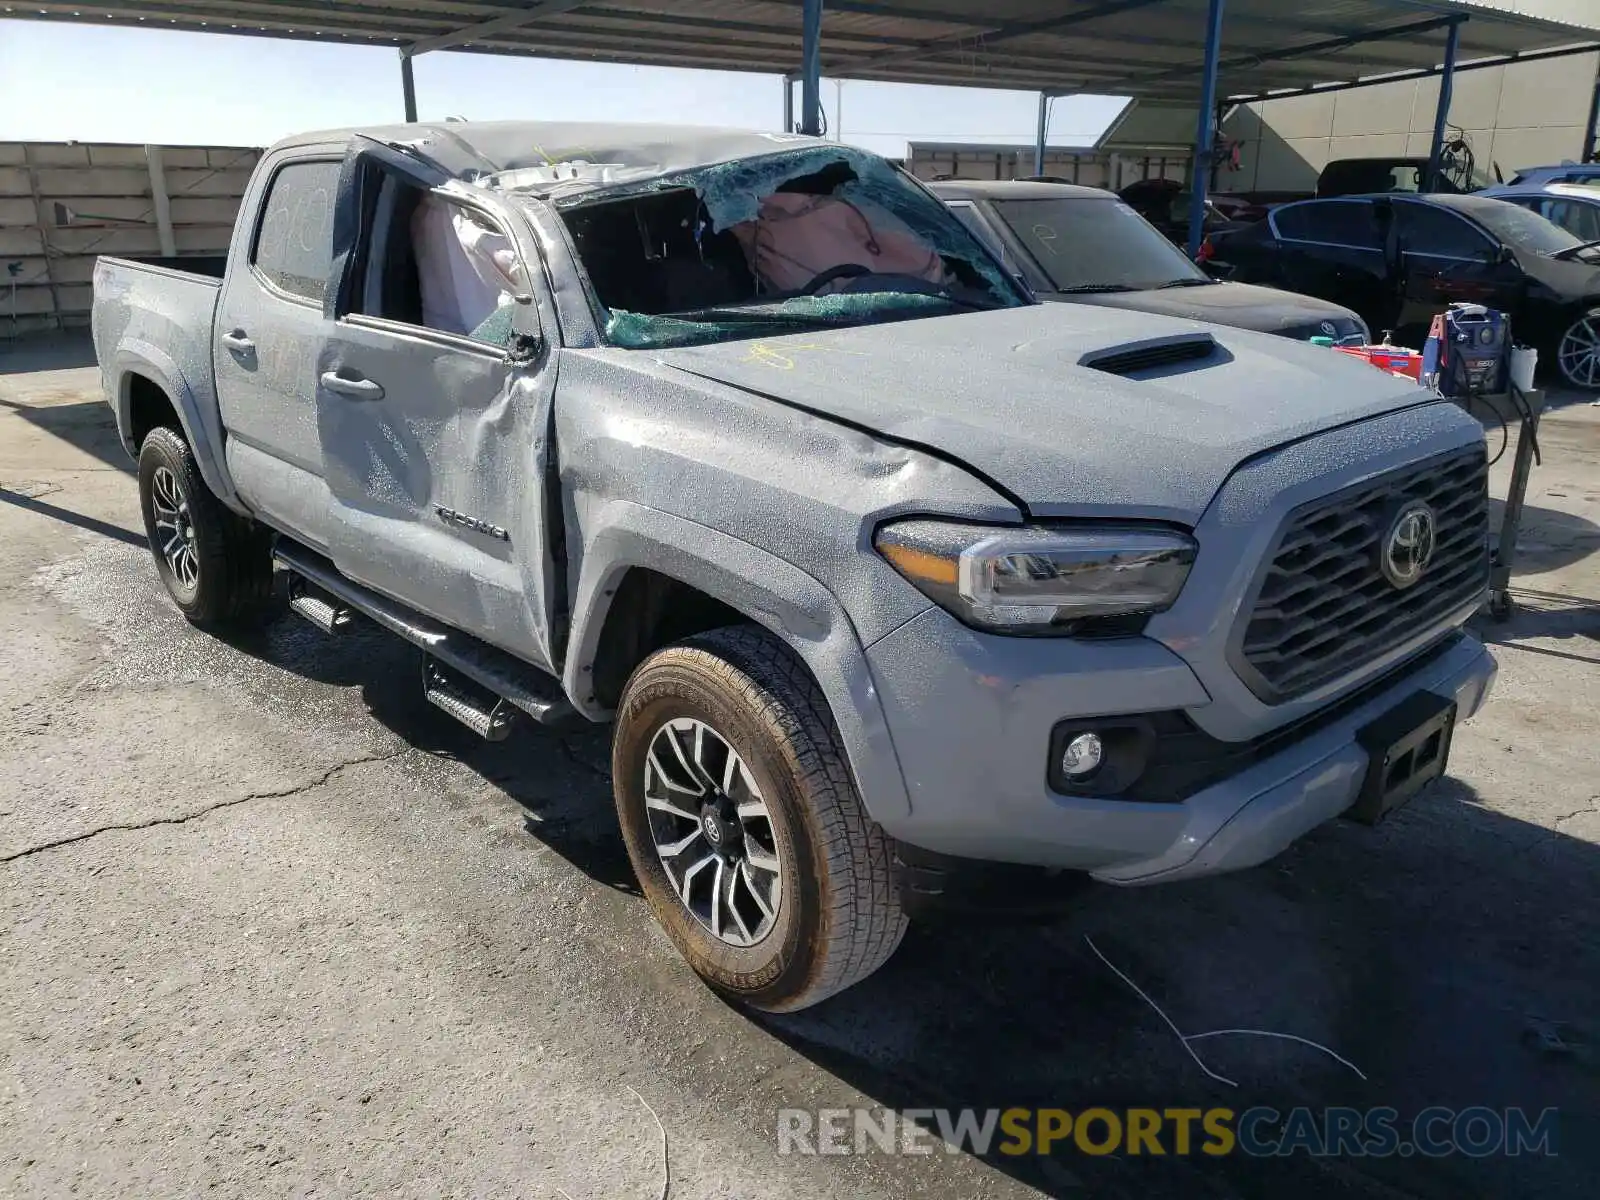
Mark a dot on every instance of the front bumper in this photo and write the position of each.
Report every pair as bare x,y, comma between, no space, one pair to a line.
972,735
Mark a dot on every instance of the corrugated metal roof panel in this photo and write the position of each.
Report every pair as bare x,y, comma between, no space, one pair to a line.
1144,48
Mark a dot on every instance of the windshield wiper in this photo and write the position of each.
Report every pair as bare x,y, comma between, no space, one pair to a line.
1084,289
1574,251
1177,283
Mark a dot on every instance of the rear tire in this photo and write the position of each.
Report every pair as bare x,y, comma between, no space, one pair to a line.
216,565
781,890
1578,352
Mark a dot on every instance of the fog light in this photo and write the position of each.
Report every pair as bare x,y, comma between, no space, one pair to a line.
1082,756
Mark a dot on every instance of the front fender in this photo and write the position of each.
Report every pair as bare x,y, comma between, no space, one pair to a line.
138,357
773,593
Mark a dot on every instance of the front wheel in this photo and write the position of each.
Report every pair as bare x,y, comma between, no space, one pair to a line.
1578,352
216,566
744,826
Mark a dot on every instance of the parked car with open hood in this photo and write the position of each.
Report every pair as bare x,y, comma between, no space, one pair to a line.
1087,246
741,443
1398,260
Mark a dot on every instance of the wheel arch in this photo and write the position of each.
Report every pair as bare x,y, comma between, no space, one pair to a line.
146,376
648,578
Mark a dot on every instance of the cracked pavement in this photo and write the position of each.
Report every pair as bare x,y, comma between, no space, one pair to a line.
272,925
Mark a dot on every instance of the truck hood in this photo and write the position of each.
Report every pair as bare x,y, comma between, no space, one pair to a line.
1007,394
1244,305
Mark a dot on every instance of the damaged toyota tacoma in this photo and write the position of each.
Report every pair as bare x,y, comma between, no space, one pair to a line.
878,568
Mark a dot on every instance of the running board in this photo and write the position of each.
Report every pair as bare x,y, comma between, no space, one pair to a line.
529,689
486,714
326,617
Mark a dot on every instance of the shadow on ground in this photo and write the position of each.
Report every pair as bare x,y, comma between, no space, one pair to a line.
569,809
1538,615
1449,954
51,352
88,424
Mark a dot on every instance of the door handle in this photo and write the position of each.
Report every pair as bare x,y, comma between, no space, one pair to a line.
237,341
356,389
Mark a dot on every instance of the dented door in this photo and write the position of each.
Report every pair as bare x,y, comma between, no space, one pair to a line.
435,448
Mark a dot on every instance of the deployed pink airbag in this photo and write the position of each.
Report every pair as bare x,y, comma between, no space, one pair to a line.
797,237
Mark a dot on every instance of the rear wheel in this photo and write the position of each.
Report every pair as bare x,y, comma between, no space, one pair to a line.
216,566
744,827
1578,352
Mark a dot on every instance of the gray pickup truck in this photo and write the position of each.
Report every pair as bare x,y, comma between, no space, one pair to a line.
879,569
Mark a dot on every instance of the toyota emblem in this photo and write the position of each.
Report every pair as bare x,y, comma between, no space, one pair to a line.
712,827
1408,546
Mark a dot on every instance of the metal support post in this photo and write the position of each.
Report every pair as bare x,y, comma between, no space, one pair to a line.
811,69
408,85
788,103
1592,129
1441,116
1205,132
1044,133
161,201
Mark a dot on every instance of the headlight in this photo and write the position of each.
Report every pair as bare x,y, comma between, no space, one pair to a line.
1028,579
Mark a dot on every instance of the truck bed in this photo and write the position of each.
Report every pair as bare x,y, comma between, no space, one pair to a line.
153,318
209,266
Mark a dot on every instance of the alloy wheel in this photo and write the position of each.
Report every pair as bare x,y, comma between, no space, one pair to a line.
712,831
174,527
1579,353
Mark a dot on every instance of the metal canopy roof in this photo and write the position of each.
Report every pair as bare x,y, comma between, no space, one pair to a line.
1151,49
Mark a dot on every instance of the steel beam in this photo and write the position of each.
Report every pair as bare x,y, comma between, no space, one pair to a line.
811,69
1044,133
1441,115
987,37
1480,64
408,86
483,29
1205,128
1326,46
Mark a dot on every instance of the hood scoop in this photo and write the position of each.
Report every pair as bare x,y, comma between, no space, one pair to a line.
1151,354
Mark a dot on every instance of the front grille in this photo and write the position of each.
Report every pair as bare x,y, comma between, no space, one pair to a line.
1325,609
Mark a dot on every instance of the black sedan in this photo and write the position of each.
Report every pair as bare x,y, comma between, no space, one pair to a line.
1398,260
1085,245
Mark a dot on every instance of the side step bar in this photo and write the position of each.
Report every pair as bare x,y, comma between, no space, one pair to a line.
327,617
510,679
486,714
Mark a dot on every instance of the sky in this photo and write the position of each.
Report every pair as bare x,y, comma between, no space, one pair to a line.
61,82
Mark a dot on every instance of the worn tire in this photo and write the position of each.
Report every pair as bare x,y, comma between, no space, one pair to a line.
840,916
233,584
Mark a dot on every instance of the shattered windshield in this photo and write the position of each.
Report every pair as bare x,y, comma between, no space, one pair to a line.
799,239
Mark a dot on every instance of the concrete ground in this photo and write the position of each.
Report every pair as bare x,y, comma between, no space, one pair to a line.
270,925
